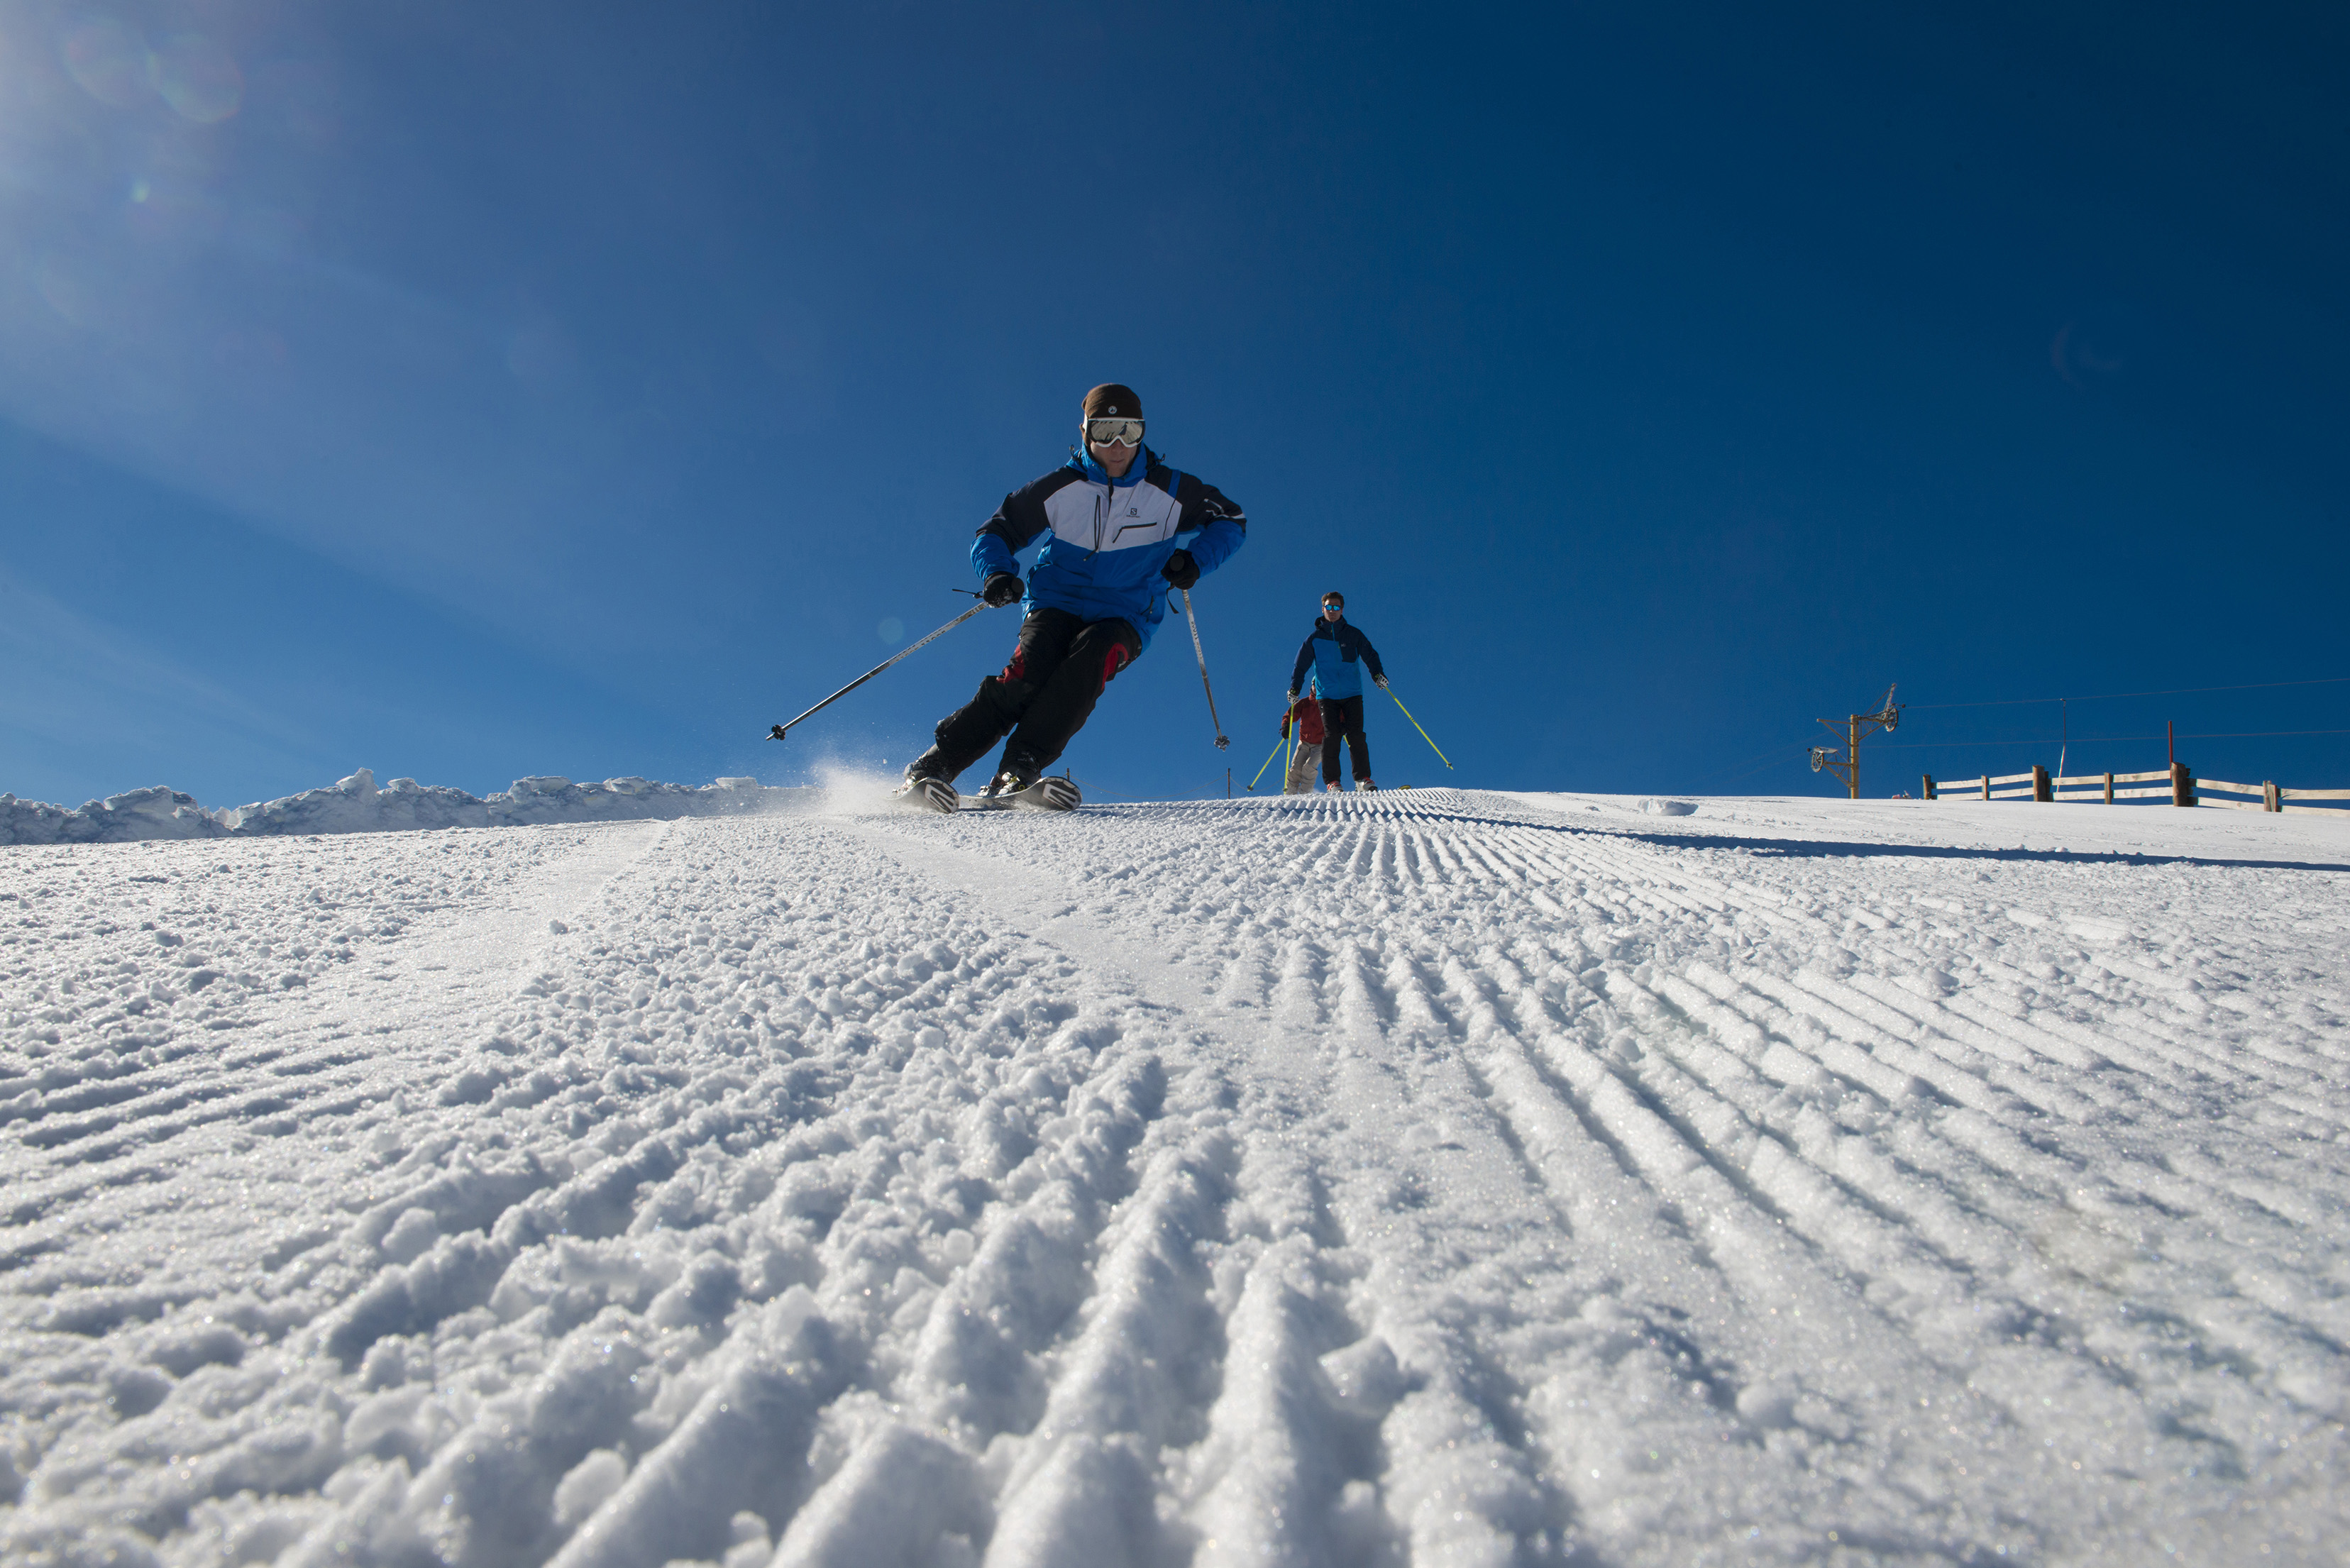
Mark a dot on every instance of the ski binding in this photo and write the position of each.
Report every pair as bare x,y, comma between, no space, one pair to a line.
1047,794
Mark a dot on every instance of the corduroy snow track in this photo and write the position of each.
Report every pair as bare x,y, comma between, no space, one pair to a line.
1439,1177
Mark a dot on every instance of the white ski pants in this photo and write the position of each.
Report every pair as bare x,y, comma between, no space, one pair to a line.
1305,770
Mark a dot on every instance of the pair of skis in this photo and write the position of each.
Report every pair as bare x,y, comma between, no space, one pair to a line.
939,795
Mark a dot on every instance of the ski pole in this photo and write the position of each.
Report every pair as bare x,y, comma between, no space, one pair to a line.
1423,734
1222,740
1268,761
776,733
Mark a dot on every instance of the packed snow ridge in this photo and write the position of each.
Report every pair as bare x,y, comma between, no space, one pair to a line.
355,805
1438,1177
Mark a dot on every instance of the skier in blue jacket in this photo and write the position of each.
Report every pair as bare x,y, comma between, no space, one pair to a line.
1120,528
1337,652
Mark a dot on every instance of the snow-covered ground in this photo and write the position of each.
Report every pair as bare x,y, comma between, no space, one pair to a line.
1441,1178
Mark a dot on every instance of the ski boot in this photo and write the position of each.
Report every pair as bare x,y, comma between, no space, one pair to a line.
1020,785
1365,786
1011,778
926,788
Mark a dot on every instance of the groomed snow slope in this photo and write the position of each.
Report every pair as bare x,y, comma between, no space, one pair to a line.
1439,1177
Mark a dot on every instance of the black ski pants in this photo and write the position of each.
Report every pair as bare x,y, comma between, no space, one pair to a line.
1343,716
1059,668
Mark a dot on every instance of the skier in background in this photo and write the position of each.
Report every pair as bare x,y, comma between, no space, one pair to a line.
1121,529
1337,651
1306,714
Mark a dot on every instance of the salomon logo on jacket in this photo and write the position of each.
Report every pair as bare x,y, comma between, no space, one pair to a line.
1109,538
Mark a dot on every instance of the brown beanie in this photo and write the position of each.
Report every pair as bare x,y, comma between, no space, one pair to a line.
1111,401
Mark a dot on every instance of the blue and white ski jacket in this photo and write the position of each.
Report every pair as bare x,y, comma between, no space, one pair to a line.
1109,538
1336,654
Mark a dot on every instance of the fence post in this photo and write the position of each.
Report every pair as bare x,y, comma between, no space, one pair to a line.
2182,784
2269,801
1986,787
2041,788
1929,787
2109,789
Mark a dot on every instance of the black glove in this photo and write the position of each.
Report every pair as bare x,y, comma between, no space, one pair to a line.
1002,588
1180,570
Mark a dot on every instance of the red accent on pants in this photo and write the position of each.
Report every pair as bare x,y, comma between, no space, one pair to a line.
1112,662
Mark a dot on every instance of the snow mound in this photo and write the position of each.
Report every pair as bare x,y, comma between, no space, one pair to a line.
156,813
556,799
1657,806
354,804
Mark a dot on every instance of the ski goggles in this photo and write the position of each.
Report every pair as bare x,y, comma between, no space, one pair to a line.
1113,432
1332,603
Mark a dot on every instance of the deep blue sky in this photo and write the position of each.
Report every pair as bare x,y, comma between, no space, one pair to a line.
471,391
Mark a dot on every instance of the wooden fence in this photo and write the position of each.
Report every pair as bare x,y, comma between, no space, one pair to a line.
2177,783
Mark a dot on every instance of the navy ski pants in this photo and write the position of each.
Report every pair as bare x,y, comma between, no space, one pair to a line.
1059,668
1343,716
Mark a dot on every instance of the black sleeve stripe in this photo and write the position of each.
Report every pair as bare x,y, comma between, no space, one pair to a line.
1021,516
1201,499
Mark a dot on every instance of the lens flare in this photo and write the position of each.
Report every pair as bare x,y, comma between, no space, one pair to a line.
61,286
893,630
198,78
106,59
168,207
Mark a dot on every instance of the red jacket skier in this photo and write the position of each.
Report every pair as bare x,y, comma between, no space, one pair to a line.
1305,713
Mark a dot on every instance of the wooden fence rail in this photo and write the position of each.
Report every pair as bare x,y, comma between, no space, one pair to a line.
2264,790
2178,782
2101,785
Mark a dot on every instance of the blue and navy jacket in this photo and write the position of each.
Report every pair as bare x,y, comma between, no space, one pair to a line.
1337,654
1109,538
